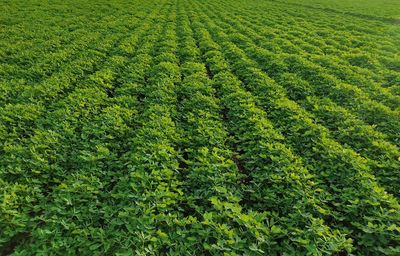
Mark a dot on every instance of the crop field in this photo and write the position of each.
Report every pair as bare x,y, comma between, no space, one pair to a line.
200,127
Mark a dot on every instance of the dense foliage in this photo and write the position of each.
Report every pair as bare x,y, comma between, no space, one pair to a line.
199,127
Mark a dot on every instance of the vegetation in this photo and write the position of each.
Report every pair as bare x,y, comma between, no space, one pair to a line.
199,127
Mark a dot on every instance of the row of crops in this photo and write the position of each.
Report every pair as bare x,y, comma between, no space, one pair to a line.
386,10
197,128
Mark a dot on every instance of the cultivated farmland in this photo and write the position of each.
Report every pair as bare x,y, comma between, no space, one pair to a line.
199,127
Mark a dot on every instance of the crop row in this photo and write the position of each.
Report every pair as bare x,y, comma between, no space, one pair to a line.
367,52
385,163
50,169
336,168
197,128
